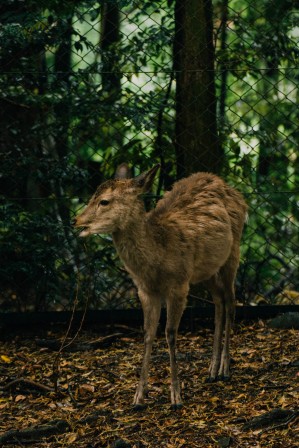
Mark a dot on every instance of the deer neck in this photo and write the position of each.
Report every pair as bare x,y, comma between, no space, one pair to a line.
134,242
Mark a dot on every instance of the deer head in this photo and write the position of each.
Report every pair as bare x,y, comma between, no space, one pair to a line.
114,204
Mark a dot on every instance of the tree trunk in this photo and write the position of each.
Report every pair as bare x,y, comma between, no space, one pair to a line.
110,37
111,78
197,144
63,73
223,65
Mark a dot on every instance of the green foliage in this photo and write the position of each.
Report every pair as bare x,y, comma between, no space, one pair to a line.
29,266
259,133
72,110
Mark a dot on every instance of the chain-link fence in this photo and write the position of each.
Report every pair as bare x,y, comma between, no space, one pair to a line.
87,86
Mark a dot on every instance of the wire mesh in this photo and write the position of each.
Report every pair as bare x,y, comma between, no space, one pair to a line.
86,86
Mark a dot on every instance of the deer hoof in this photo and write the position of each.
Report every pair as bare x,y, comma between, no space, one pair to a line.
176,407
224,378
211,379
214,379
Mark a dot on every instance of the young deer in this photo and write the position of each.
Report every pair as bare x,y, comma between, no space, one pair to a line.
193,235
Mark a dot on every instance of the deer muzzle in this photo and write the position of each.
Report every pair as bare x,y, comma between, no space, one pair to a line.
84,226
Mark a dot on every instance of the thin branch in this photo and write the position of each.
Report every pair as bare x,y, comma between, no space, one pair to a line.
158,143
15,104
279,287
64,344
27,382
201,299
283,424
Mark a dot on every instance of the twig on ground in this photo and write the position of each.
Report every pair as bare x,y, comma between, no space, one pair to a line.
35,433
27,382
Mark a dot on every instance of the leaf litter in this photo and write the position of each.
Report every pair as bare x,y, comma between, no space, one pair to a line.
92,407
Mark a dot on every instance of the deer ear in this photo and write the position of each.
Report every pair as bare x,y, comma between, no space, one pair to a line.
145,180
123,171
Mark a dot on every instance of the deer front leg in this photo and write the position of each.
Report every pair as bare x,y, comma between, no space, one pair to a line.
151,310
175,308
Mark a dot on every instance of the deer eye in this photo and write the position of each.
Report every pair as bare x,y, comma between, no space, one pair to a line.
104,202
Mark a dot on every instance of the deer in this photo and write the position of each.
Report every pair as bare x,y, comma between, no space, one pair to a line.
191,236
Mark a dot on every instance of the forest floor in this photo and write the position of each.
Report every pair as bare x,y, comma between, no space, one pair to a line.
96,375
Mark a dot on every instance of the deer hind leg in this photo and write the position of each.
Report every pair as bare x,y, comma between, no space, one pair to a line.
216,290
151,310
224,372
222,290
175,306
228,274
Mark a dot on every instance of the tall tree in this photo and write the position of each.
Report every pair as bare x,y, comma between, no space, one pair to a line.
110,37
197,144
22,80
110,73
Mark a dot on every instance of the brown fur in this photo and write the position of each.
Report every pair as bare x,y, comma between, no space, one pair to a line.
193,235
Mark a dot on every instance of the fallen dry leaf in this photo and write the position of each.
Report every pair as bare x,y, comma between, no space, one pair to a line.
96,388
20,398
6,359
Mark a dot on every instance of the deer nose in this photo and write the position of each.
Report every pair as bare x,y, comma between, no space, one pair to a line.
73,221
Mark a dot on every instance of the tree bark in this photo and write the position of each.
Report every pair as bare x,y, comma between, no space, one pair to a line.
111,76
223,65
110,37
63,73
197,143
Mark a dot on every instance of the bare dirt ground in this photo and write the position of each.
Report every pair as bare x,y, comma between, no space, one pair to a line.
96,379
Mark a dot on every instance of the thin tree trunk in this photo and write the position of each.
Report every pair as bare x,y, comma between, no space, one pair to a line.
63,72
223,67
111,76
62,114
110,37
